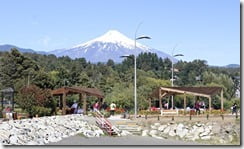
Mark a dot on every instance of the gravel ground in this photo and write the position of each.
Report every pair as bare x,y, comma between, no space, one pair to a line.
127,140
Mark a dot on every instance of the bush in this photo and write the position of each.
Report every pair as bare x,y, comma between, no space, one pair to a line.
34,100
106,114
40,111
117,110
146,112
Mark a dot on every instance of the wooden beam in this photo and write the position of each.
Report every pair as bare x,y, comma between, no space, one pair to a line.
182,92
210,100
184,103
222,101
84,102
64,104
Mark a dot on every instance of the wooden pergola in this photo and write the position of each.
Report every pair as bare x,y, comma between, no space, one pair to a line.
9,92
83,93
207,92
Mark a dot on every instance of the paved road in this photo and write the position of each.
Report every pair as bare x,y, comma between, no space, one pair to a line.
127,140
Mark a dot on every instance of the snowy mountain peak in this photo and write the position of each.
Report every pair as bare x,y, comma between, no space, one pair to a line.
115,37
110,45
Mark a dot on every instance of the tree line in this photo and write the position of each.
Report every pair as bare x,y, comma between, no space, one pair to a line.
19,70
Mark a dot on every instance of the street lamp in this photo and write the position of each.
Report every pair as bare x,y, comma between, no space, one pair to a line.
172,74
136,38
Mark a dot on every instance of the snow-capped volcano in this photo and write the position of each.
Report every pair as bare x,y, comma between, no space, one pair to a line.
115,37
111,45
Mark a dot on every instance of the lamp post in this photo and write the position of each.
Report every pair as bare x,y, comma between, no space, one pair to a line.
135,87
172,74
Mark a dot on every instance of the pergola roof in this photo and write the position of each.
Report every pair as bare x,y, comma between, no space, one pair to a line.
196,91
7,90
78,90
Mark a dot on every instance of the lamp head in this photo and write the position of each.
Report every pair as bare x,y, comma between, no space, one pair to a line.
178,55
143,37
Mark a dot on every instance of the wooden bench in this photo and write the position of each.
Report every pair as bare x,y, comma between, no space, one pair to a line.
165,112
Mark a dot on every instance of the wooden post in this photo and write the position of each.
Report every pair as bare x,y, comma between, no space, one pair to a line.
210,100
150,104
80,98
184,103
222,101
84,102
159,97
60,102
13,100
2,101
64,104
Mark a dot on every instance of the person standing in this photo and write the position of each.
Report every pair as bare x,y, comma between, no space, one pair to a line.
112,108
96,106
197,107
74,108
234,108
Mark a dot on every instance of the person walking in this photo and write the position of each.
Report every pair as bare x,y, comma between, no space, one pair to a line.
112,108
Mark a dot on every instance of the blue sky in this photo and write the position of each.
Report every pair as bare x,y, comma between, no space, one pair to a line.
199,29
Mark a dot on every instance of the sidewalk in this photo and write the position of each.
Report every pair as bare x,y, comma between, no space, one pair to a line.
127,140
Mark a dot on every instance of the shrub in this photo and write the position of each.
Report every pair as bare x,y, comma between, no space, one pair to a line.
117,110
36,101
40,111
146,112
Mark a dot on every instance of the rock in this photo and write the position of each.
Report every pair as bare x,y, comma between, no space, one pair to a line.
161,128
172,133
199,125
13,140
145,133
42,130
166,130
125,133
216,128
154,127
206,137
181,132
180,126
230,137
139,128
153,132
157,124
32,143
157,137
206,132
200,129
210,127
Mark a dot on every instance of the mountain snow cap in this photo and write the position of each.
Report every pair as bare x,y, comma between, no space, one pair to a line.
115,37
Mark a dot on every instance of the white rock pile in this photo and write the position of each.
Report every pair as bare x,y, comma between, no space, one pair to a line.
43,130
210,132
